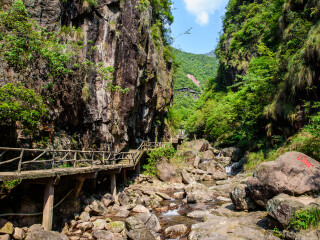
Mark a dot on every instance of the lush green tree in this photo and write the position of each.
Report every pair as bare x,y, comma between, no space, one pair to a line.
18,103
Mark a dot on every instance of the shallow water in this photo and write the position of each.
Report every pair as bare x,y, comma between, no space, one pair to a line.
179,215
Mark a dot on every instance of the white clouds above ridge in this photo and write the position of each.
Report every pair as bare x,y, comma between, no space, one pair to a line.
202,9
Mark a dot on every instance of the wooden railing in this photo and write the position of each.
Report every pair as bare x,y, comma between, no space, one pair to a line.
23,159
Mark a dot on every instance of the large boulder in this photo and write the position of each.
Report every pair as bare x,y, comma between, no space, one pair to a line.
224,161
186,177
140,209
36,232
232,152
166,172
103,235
201,145
116,226
6,227
211,167
292,173
197,192
189,155
219,176
141,234
175,231
19,233
196,161
137,229
208,155
241,199
283,206
98,208
107,199
229,228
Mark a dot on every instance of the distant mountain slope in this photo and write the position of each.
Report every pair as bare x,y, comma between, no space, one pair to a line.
210,54
190,78
200,66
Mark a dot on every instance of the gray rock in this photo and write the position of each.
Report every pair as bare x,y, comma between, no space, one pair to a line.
175,231
140,209
232,152
107,199
224,161
238,166
140,234
241,198
36,232
163,195
201,145
5,237
283,206
166,172
153,223
197,161
144,217
97,208
219,176
103,235
186,177
197,192
85,226
116,226
198,214
85,216
6,227
99,224
211,167
19,233
133,223
207,155
122,213
292,173
178,195
123,198
221,227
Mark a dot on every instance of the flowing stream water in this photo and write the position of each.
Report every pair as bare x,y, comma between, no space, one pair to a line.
178,215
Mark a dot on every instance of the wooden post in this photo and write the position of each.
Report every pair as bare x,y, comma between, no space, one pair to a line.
138,168
78,186
48,206
20,162
113,182
75,159
124,176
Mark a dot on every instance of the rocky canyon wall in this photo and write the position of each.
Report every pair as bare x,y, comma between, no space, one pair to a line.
115,33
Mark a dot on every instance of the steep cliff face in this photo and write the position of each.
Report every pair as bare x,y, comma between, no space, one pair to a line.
115,34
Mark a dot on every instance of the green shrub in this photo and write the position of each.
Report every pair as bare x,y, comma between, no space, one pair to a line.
155,155
143,5
8,185
21,104
305,218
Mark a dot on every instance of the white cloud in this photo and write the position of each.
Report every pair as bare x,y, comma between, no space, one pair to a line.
202,9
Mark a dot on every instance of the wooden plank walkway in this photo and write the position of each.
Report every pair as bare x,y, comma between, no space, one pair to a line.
53,162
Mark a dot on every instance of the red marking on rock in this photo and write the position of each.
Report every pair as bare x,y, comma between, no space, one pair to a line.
305,161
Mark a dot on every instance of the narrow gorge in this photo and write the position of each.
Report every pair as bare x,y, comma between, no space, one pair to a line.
110,130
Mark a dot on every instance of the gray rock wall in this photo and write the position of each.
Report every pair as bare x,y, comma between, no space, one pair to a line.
123,38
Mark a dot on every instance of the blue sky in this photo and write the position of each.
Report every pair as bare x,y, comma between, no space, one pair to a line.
204,16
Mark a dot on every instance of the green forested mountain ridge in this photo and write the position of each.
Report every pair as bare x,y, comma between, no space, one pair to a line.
267,88
200,66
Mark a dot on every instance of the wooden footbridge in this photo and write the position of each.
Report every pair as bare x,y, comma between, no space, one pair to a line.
23,163
48,165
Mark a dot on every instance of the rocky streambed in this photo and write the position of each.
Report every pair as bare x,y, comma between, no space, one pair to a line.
196,200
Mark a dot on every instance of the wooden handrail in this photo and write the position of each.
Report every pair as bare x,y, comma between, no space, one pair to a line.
58,157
